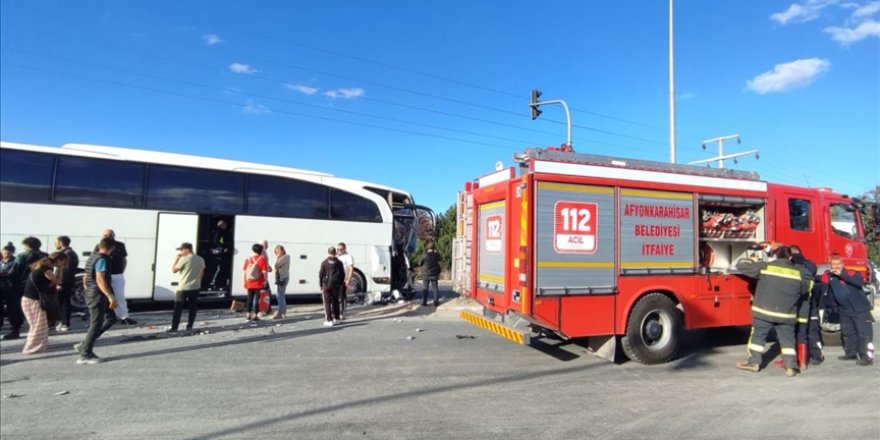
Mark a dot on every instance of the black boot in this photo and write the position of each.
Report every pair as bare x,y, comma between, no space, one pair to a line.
14,334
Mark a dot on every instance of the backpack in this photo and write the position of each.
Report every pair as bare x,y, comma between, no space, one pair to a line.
335,275
253,269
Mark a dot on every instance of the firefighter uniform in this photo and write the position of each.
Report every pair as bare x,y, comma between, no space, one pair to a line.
809,338
780,291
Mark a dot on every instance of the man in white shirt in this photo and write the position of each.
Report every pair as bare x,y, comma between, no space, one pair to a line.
348,263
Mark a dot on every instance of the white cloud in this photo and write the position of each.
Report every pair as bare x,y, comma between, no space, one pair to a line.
254,108
802,12
350,93
211,39
788,76
845,35
244,69
306,90
866,10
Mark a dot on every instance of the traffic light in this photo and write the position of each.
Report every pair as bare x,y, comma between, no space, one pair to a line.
534,104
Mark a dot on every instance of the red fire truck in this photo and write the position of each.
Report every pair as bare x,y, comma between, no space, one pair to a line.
610,249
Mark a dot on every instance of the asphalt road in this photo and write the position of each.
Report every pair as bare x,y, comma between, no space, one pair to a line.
403,372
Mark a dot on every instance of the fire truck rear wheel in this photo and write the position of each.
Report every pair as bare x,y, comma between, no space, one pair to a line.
653,331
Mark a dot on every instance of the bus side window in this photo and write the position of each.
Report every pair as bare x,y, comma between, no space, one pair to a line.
26,176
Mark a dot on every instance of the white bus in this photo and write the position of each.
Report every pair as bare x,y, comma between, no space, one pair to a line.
154,201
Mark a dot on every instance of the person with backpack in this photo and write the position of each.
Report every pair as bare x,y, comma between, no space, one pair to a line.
67,282
21,269
331,278
39,301
256,270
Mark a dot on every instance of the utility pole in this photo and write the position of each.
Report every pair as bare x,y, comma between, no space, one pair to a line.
721,156
671,90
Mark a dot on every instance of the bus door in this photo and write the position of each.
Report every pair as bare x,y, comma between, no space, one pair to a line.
411,222
173,229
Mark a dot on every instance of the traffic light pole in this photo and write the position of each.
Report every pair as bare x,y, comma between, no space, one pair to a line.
535,112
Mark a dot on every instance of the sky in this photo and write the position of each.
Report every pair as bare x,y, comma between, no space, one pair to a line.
425,96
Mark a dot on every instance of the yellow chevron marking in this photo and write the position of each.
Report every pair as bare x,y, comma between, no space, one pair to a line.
494,327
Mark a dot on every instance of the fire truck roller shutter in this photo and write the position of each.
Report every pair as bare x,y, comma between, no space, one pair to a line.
491,236
574,239
656,232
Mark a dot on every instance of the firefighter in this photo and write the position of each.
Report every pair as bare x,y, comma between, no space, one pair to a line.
809,338
845,287
780,289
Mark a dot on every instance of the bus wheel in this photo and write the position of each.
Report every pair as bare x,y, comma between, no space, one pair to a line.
78,299
653,331
358,286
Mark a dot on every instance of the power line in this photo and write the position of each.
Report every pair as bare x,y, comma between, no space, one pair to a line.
274,110
410,91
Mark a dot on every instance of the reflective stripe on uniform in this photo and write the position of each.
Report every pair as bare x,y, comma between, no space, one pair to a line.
774,314
756,347
789,352
782,272
803,320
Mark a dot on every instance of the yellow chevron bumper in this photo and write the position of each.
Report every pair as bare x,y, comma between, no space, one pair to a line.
502,330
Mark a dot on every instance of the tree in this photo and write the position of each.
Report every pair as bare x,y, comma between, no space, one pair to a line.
871,197
444,235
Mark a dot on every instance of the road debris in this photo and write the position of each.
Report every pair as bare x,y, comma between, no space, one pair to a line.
410,338
62,393
11,396
465,337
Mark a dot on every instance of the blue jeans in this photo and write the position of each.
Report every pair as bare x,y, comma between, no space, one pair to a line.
281,288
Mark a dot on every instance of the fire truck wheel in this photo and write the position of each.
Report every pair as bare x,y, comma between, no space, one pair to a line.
653,331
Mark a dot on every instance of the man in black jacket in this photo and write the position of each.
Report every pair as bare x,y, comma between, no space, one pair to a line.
430,273
781,288
845,287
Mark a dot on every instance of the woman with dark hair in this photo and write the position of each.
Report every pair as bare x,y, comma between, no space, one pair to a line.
255,276
40,282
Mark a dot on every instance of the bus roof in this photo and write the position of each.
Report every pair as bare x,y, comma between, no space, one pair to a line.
164,158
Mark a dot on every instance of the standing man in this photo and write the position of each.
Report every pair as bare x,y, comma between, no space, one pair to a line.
221,242
331,277
430,273
20,271
68,280
100,299
348,264
118,263
781,287
192,269
845,286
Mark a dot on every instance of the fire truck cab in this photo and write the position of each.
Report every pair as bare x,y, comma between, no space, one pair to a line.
631,251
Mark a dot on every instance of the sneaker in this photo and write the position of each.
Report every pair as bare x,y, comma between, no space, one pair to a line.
748,366
790,372
170,330
328,323
847,357
78,347
817,360
11,335
62,328
129,321
88,360
865,362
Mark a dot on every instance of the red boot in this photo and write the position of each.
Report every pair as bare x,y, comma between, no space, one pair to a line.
802,355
